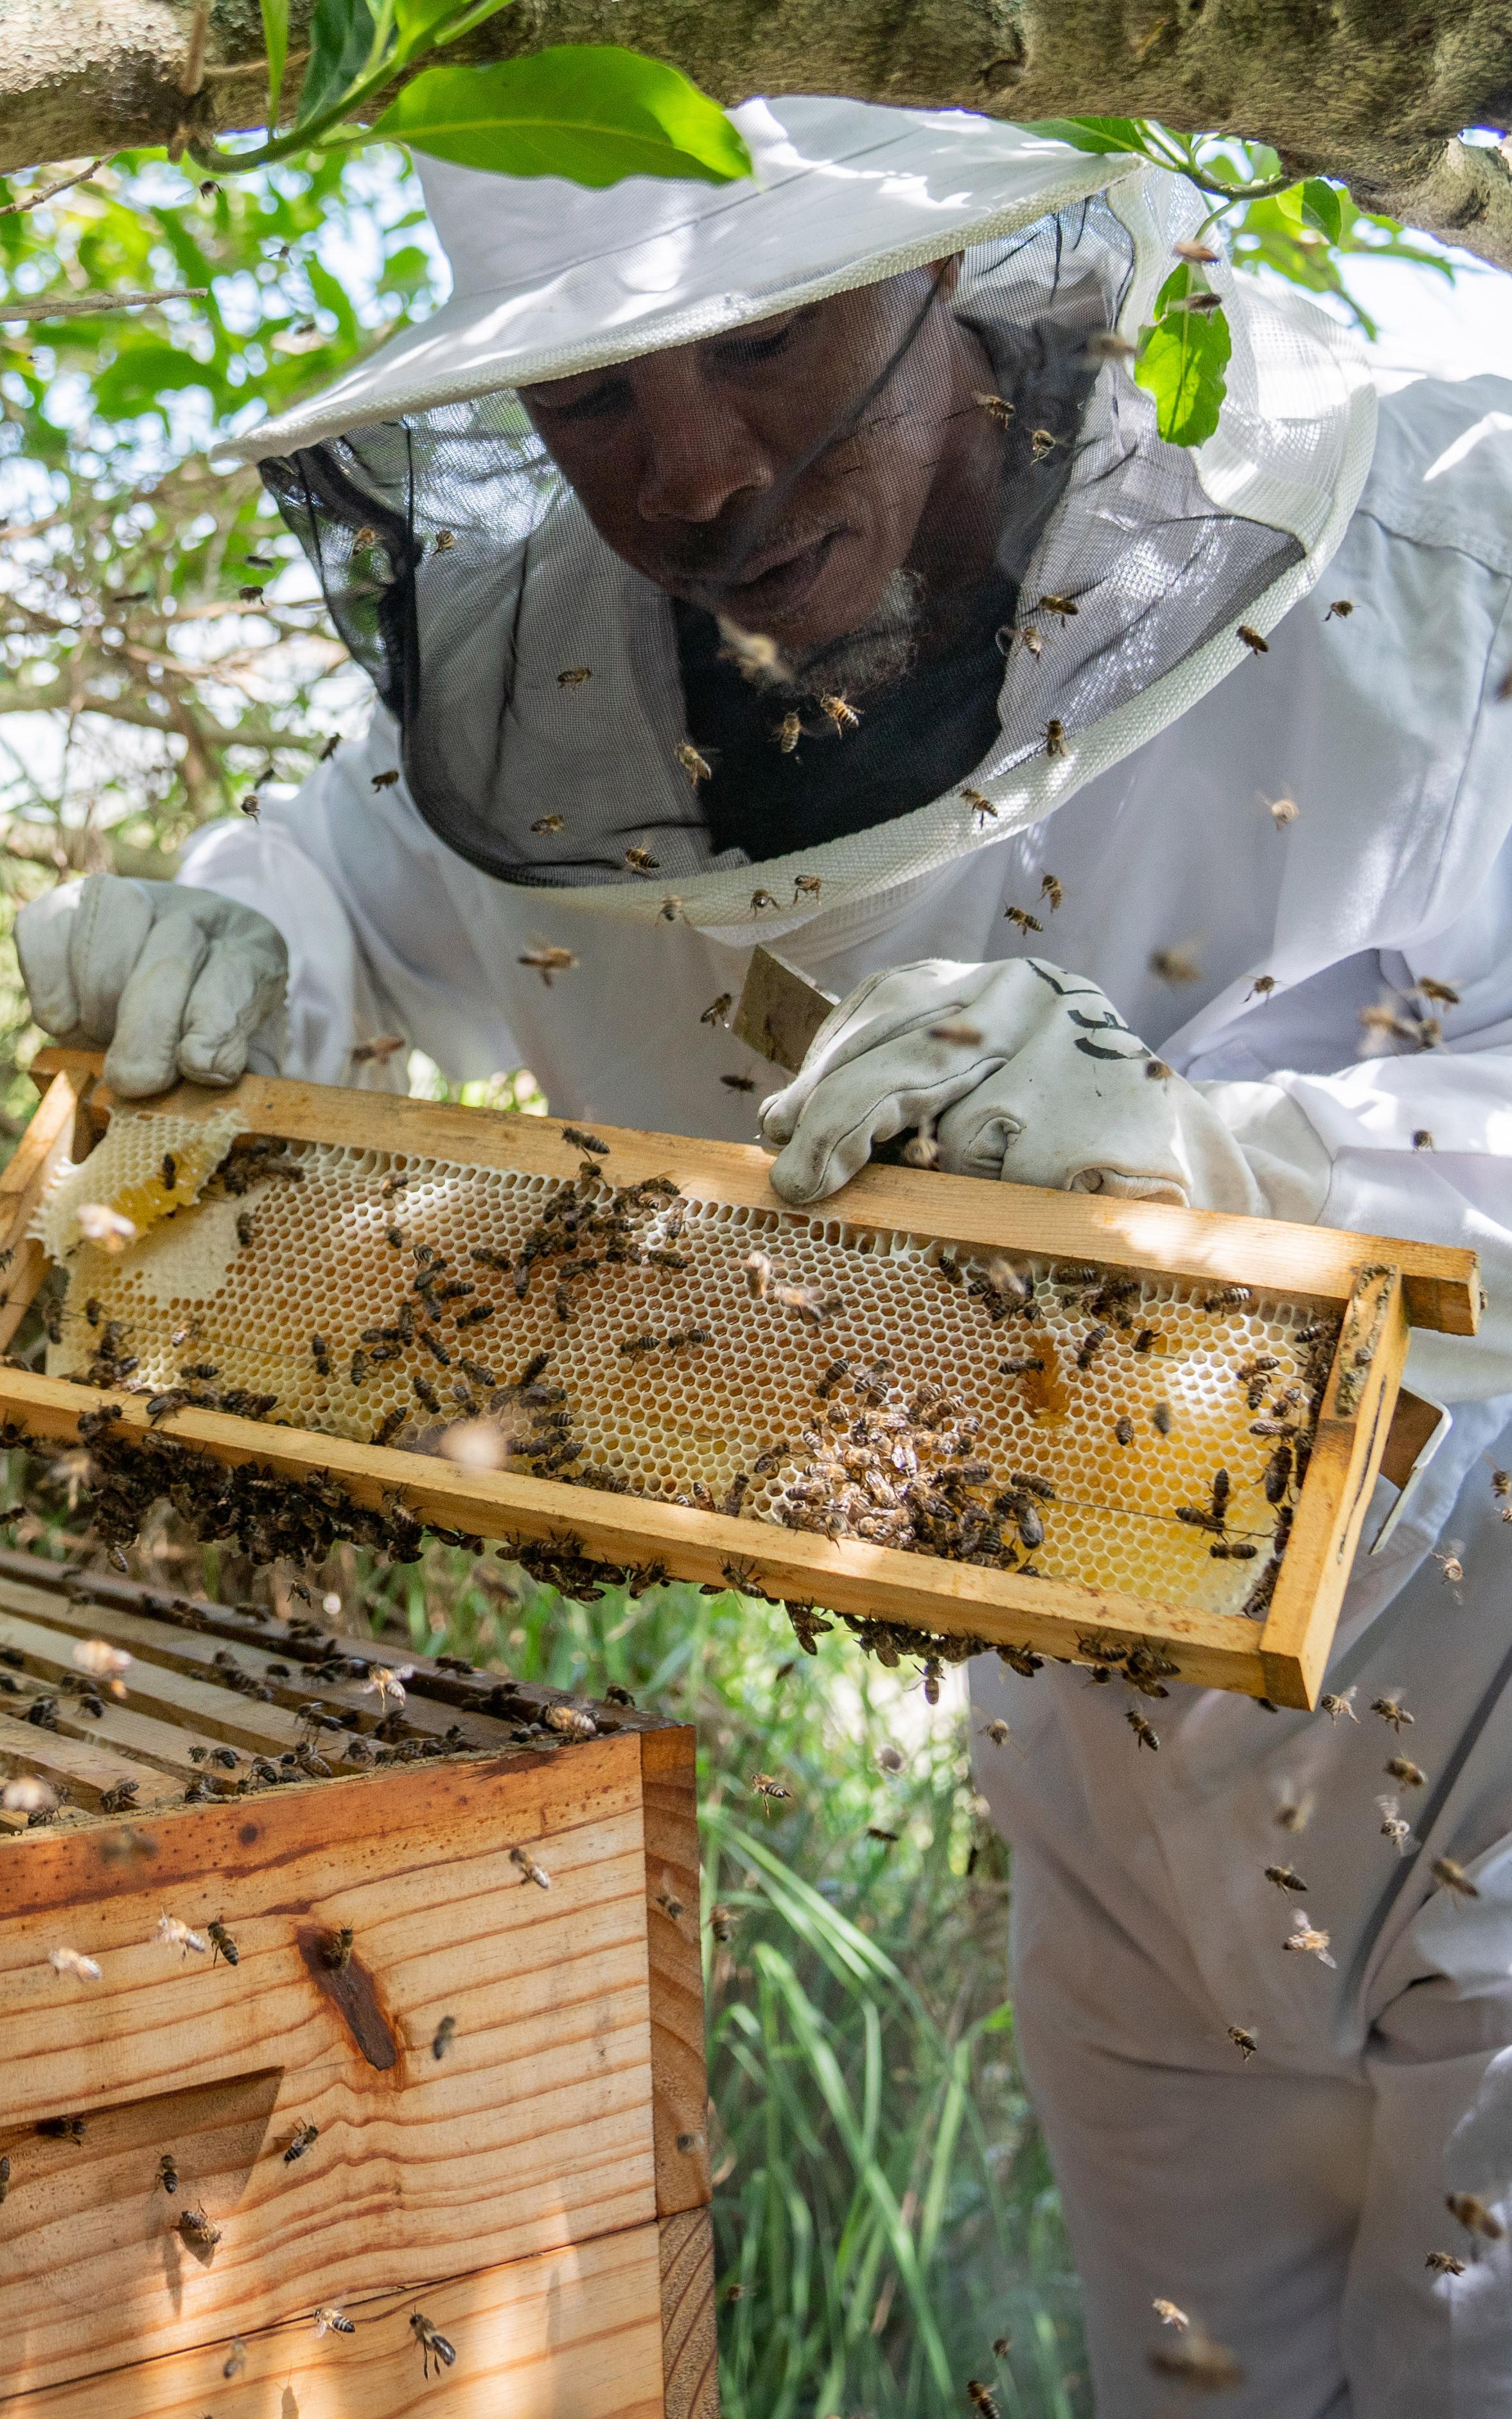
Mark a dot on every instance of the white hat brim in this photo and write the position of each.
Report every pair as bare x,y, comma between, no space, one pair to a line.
844,194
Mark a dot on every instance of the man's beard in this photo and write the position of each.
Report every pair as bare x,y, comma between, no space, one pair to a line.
877,655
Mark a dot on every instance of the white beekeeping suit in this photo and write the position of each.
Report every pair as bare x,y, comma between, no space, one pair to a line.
1252,851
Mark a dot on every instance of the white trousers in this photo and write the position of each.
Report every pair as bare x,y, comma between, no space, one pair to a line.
1289,2204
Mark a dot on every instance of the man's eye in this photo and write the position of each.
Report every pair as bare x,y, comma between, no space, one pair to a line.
609,395
737,351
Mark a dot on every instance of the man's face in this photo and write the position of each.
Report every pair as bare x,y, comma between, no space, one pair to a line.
747,475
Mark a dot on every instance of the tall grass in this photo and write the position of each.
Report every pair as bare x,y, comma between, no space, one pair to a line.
883,2209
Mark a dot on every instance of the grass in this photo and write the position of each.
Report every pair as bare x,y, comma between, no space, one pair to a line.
883,2208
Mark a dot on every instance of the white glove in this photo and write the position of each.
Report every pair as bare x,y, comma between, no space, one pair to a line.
1026,1073
179,982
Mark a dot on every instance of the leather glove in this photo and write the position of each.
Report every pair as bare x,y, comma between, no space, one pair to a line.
1021,1071
179,982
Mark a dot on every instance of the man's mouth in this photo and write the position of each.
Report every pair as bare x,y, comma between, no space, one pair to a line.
773,582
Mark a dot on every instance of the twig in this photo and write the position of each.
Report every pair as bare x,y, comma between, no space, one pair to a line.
78,306
34,201
191,74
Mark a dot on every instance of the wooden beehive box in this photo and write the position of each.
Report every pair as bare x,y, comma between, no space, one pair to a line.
539,2192
1130,1424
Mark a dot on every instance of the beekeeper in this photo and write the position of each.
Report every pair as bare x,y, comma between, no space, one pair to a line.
797,559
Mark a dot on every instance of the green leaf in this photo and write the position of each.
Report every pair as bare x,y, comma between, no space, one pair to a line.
141,374
591,112
342,33
1181,364
1320,208
423,23
1093,133
275,42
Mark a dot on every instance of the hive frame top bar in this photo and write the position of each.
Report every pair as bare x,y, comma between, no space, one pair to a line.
1322,1264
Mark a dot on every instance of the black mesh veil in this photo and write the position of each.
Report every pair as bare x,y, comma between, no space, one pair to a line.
777,588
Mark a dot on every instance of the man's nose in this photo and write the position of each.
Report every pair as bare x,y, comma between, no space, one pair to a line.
698,453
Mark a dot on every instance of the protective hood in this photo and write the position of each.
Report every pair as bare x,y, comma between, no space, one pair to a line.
609,677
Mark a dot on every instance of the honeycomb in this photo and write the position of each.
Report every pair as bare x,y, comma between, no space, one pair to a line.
317,1262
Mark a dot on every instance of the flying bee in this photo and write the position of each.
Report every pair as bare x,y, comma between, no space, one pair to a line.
1170,2315
377,1052
1061,606
547,823
574,677
1333,1705
385,780
250,805
640,860
1243,2041
842,715
997,406
1451,1566
921,1150
1042,445
570,1721
721,1922
386,1683
1055,736
1394,1825
235,2358
529,1870
1252,639
1105,345
1307,1937
1143,1731
1283,811
1201,254
1051,889
1340,610
548,962
1402,1768
998,1731
1443,2263
1391,1709
1293,1810
670,908
738,1083
718,1008
433,2344
965,1037
1284,1878
329,2321
222,1943
767,1788
981,807
756,656
1028,636
444,2035
69,1961
696,766
1176,965
1022,917
788,732
1473,2216
982,2399
167,2174
1196,2361
1261,987
1453,1876
179,1935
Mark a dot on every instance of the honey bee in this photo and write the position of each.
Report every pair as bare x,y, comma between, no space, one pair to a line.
1169,2315
574,677
761,901
385,780
670,908
246,1228
1391,1709
805,886
1283,811
1473,2216
235,2358
1104,344
1443,2263
1143,1731
721,1922
981,807
444,2035
1198,2361
997,406
1243,2041
529,1870
252,806
1027,636
1161,1419
197,2230
548,962
767,1789
1051,889
1453,1876
329,2321
965,1037
424,1393
179,1935
377,1052
718,1009
1444,994
69,1961
336,1948
100,1224
1284,1878
388,1426
222,1943
738,1083
386,1681
1257,645
755,655
1293,1813
1022,917
982,2399
1340,610
1308,1939
998,1731
1200,254
697,768
1332,1705
101,1660
445,540
570,1721
1451,1566
433,2344
1176,965
1402,1768
788,732
844,716
1042,445
640,860
1261,987
304,2138
1055,736
365,536
811,1302
921,1150
1061,606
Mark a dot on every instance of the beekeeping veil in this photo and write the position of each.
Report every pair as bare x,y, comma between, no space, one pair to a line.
876,379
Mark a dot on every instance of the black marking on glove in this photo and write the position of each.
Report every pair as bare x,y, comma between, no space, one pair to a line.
1126,1057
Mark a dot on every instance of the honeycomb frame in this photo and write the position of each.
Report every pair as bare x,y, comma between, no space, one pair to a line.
1116,1564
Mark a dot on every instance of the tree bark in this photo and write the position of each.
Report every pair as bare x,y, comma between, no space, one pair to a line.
1374,92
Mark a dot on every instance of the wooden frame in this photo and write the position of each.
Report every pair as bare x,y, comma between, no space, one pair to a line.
1381,1287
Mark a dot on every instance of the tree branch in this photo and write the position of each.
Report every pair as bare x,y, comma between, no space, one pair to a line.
1376,97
